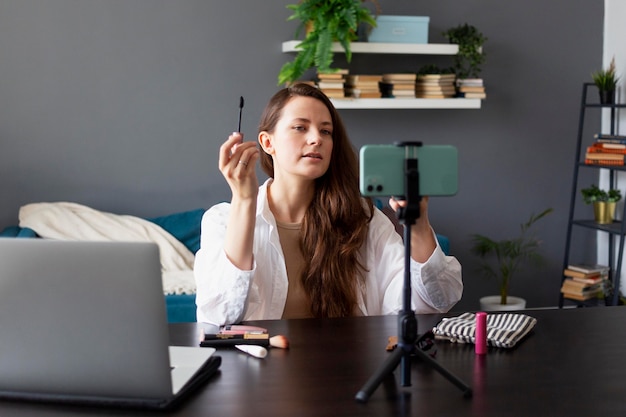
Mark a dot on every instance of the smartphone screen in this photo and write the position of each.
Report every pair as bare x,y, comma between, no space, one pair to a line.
382,170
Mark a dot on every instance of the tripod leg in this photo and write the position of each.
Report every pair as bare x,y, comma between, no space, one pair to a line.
386,369
467,390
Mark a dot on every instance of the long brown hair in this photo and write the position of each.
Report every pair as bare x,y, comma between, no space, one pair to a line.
336,222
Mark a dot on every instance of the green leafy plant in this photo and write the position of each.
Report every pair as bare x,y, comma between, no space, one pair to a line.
502,258
468,61
595,194
606,80
329,21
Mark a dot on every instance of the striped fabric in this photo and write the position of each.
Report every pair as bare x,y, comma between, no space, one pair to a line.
503,329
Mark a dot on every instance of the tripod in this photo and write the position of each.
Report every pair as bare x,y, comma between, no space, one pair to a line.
407,322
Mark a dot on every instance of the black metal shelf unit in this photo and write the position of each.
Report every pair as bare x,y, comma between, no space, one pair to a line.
617,229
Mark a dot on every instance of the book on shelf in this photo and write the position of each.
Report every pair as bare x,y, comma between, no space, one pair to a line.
604,155
573,287
607,148
598,279
354,79
474,82
329,84
388,90
399,78
473,95
433,95
420,86
611,162
435,86
434,83
581,291
431,77
571,273
609,136
408,87
403,94
363,86
339,74
588,268
463,89
613,141
582,297
363,93
442,90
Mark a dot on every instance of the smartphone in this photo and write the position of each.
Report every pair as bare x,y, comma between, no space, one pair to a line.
382,170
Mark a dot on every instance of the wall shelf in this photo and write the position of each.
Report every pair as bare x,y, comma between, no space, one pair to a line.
406,103
387,48
399,103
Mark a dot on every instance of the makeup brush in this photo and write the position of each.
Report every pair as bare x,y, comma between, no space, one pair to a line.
217,340
240,110
256,351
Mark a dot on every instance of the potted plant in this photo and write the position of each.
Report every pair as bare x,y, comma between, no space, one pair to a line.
502,258
329,21
468,61
603,202
606,81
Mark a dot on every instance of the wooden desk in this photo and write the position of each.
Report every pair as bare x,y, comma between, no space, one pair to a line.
573,363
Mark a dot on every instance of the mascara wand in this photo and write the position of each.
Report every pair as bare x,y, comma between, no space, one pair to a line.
240,109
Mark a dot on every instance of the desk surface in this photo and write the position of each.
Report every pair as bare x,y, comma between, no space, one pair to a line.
573,363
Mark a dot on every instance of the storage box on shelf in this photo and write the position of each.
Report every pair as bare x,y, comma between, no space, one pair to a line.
400,29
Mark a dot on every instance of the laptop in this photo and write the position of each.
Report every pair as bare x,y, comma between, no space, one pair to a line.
85,323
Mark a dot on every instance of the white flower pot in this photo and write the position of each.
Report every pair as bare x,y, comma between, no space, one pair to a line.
492,303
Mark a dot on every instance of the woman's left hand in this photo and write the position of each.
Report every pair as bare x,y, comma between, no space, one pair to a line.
422,237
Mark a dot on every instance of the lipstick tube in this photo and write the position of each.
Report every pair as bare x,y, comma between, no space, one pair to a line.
481,333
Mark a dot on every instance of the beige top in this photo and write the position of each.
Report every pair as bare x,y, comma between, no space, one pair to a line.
297,304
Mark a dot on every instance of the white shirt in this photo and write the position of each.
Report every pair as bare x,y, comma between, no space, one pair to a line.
227,294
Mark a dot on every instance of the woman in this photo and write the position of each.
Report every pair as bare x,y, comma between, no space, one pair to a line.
305,243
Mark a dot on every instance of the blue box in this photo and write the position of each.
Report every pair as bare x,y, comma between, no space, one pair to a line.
400,29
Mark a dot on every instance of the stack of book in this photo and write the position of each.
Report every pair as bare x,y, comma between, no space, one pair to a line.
471,88
332,83
401,85
606,150
584,282
435,86
363,86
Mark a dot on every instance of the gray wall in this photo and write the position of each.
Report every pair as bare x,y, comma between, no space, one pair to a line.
122,105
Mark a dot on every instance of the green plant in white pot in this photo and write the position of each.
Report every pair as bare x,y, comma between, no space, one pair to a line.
501,259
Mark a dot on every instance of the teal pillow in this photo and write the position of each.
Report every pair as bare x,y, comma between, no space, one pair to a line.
184,226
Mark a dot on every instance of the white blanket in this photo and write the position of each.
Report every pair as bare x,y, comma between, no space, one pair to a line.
71,221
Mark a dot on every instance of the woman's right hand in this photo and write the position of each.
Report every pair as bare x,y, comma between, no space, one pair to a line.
237,162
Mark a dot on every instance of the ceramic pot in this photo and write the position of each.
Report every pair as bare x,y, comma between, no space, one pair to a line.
492,303
607,97
604,212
